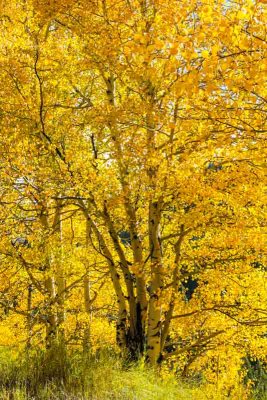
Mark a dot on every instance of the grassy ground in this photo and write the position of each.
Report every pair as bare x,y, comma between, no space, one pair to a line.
43,376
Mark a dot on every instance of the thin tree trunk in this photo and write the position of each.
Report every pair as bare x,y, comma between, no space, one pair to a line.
29,318
87,299
50,287
126,272
51,326
154,315
175,287
88,309
60,273
122,314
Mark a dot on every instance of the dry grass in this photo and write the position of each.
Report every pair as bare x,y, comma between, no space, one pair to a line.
42,376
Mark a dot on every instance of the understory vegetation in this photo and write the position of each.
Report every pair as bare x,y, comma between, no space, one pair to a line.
98,377
56,375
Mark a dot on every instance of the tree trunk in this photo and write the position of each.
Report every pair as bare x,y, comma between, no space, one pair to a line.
154,315
175,287
29,318
121,327
88,309
60,273
51,326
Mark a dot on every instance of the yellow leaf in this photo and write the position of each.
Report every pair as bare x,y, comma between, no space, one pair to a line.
205,53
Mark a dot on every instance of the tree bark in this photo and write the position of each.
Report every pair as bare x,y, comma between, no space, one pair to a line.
88,309
154,315
51,326
121,327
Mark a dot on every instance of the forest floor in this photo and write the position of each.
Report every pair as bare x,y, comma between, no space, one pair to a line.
105,377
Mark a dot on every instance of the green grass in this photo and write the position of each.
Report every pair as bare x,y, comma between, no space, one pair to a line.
103,376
